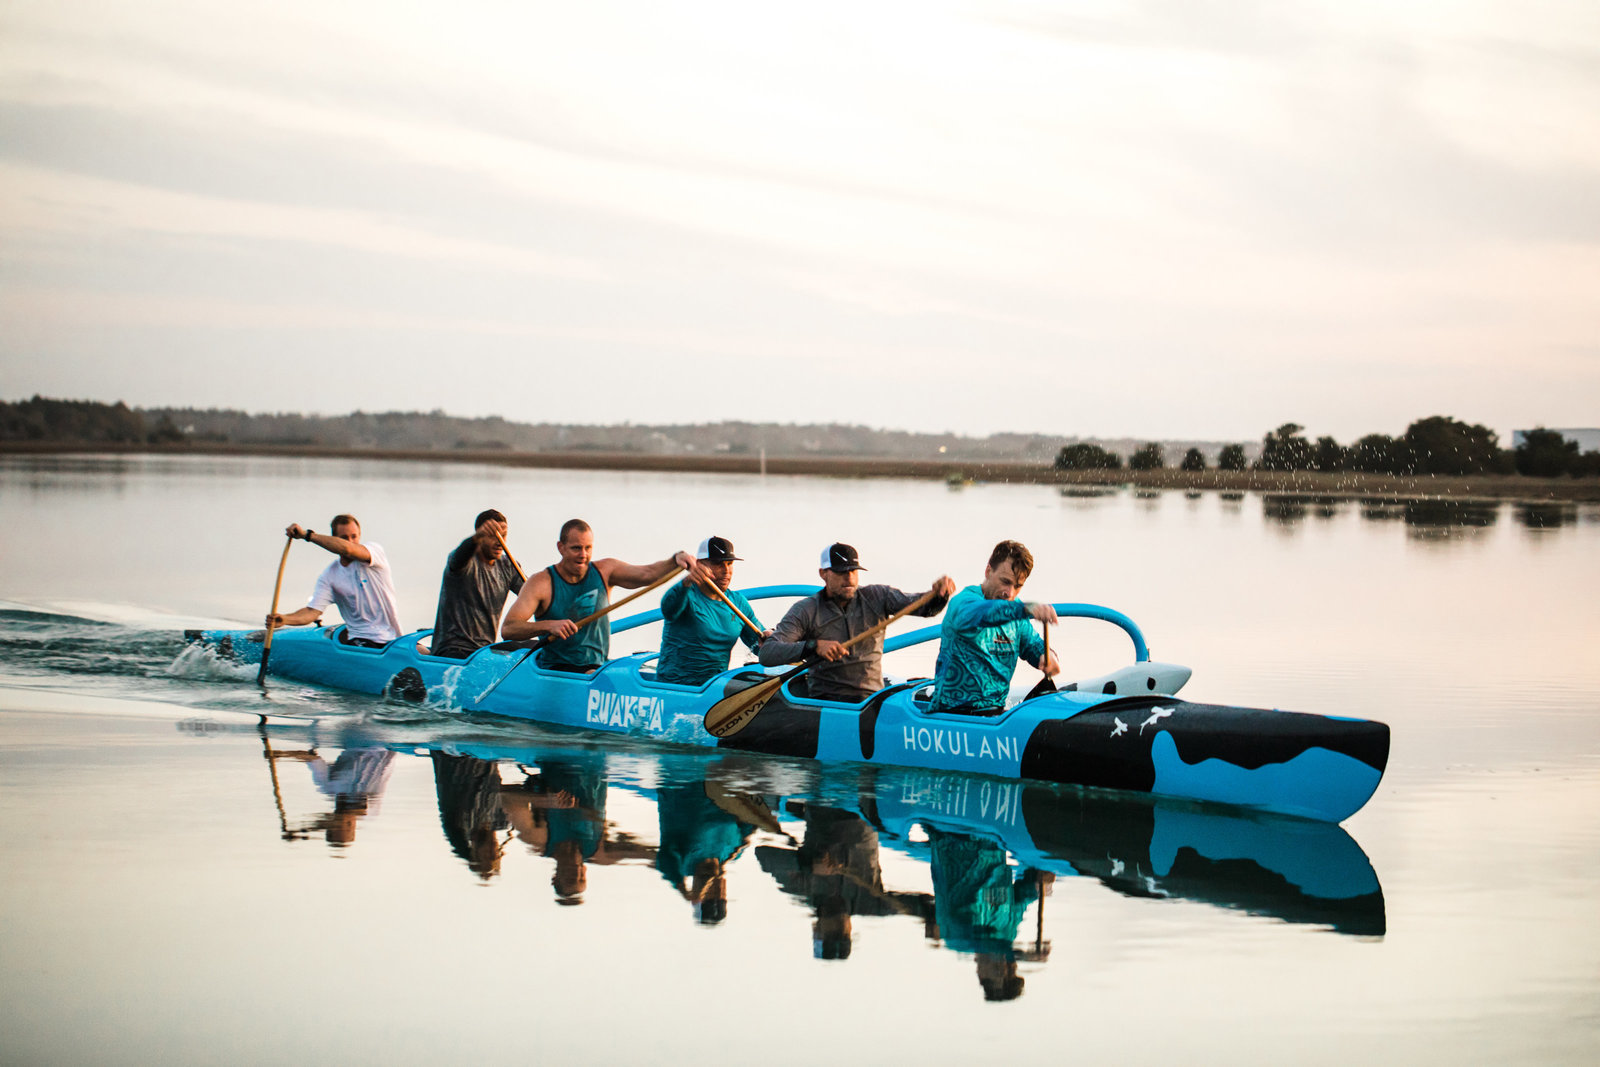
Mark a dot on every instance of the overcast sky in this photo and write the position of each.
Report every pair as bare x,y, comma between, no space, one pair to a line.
1163,219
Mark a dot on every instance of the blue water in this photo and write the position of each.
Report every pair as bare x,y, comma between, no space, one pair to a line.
375,881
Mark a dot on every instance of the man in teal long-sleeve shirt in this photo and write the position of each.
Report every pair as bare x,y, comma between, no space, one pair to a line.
985,629
700,629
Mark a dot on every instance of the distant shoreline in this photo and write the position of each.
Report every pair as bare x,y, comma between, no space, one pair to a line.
1497,487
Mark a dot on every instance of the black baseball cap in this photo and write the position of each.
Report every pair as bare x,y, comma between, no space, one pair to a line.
716,550
840,557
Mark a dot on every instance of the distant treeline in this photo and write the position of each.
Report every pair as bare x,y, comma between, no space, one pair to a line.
80,421
1435,445
73,421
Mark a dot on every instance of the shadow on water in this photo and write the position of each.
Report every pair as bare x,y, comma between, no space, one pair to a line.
994,848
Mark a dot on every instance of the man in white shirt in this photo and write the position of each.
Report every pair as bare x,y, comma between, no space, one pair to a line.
358,582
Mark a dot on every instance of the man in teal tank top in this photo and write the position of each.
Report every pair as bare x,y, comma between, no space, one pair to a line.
699,627
557,598
984,631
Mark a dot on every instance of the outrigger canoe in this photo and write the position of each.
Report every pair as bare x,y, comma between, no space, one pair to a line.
1126,730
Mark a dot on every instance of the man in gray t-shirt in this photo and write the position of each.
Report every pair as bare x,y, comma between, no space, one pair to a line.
478,577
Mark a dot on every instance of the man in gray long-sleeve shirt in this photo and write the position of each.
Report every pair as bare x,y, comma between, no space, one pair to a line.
819,625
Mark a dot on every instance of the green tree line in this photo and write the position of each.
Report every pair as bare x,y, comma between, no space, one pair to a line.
1438,444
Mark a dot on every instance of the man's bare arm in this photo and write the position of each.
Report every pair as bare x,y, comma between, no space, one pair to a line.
303,617
634,575
519,624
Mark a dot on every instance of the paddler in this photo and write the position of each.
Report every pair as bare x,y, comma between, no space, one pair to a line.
819,625
984,632
573,588
359,582
700,626
478,576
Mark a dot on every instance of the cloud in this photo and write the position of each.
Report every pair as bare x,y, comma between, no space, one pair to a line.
1200,206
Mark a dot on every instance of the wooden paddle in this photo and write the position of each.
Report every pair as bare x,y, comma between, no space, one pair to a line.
1046,684
733,713
533,644
266,643
710,583
507,550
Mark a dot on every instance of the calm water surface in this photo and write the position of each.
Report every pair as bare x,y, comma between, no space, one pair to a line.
376,882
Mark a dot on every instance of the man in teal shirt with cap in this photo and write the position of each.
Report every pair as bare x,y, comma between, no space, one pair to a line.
700,627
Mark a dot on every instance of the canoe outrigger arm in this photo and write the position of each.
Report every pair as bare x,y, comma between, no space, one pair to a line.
760,592
927,633
1141,651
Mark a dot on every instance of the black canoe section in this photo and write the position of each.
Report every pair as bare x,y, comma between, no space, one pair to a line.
1109,745
780,729
787,728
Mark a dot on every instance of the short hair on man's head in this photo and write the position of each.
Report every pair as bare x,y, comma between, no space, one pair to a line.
341,520
1015,551
486,516
570,525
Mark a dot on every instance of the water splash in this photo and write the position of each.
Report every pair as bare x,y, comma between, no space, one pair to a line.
201,663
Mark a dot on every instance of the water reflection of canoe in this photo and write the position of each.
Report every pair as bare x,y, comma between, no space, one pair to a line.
1294,870
1122,732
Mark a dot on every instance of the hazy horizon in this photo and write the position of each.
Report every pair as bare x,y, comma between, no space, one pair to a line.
1147,220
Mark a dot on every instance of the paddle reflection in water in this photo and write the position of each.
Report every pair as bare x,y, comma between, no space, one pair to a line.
993,848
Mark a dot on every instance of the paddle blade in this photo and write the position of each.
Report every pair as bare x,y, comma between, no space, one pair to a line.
261,675
1046,684
748,809
733,713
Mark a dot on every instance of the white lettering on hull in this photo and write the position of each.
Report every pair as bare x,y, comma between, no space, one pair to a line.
623,711
946,741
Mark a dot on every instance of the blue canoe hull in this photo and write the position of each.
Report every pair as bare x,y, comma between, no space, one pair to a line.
1313,766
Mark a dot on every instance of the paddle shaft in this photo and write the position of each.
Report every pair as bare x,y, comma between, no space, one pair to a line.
1046,684
277,589
711,584
507,550
875,628
733,713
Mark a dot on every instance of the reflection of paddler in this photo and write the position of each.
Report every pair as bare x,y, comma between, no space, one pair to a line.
355,781
836,869
979,902
561,812
699,838
469,809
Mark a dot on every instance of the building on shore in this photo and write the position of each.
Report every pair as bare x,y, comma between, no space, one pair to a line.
1588,439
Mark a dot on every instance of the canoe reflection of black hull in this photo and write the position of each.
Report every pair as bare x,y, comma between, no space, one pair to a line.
1290,869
